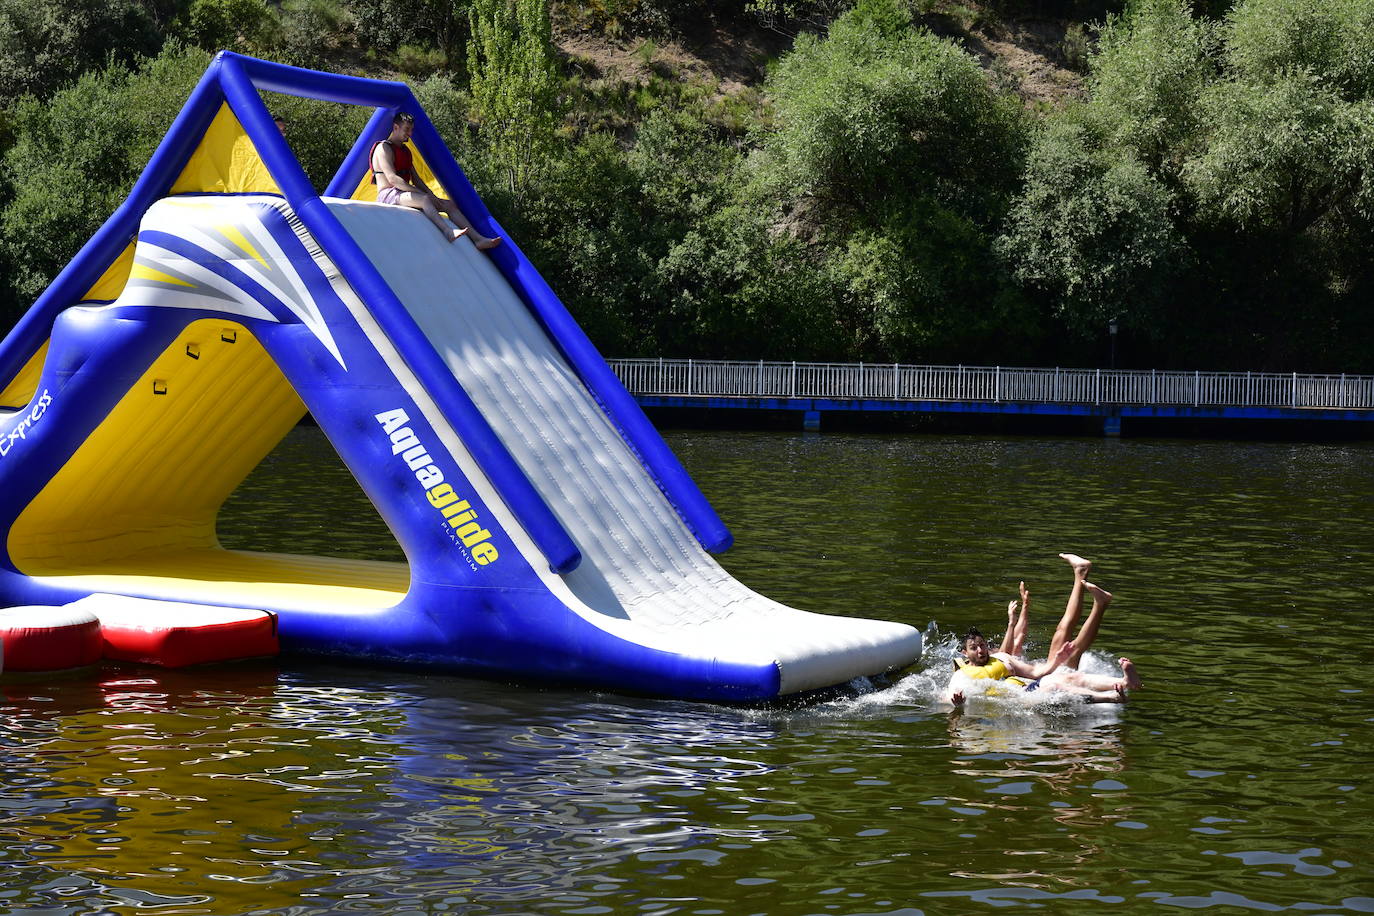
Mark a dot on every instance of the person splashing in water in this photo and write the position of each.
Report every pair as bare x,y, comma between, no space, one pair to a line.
393,173
1058,672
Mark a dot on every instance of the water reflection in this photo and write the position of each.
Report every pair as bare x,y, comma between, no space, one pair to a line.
270,788
1236,779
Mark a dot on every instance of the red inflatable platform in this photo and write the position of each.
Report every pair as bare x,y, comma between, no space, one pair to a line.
172,634
41,638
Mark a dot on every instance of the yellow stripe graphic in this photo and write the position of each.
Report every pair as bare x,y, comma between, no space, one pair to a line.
234,235
142,271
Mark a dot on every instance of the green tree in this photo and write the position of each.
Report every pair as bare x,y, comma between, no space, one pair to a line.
582,223
705,246
1291,129
1330,39
306,31
660,249
1214,188
389,24
216,24
1094,230
75,158
1100,229
1287,153
1149,73
866,118
515,84
1283,178
44,46
892,154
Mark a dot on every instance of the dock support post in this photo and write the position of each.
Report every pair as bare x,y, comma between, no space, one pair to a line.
1111,425
811,421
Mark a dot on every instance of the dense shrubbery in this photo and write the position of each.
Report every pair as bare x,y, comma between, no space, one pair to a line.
392,24
891,143
1215,189
44,46
75,157
654,18
875,199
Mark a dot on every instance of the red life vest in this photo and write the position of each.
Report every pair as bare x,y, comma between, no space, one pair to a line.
405,164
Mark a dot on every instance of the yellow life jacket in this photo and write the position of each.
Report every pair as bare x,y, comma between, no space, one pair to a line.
994,670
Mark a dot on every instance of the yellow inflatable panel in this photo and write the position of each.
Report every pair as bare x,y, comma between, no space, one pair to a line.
151,477
133,510
111,283
248,579
22,387
226,162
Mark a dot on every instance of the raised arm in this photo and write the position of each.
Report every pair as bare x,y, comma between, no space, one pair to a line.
1018,642
1009,640
1014,642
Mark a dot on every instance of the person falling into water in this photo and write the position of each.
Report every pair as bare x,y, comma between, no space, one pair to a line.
1058,672
393,172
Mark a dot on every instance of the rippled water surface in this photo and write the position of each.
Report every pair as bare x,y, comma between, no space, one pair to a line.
1237,781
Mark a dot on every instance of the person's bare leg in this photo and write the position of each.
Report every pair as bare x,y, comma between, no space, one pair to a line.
483,243
1074,608
1069,679
1109,691
1084,640
1079,682
425,205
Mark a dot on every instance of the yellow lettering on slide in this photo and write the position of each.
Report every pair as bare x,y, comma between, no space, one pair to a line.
458,513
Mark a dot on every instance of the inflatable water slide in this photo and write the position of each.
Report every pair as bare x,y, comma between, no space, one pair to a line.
549,533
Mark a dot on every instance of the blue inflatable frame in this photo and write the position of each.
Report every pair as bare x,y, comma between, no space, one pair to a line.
237,80
384,413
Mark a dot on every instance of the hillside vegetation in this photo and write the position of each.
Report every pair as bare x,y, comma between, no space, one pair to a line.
878,180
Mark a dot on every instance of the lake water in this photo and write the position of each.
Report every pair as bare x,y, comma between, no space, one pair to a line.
1236,781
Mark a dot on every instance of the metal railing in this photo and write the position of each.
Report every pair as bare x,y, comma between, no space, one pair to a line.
897,382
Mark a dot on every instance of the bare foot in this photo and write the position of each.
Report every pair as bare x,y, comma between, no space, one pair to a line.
1080,566
1132,676
456,234
488,244
1100,594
